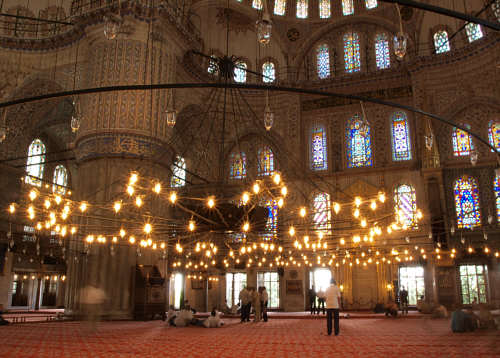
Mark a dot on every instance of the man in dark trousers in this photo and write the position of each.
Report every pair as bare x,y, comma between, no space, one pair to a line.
403,295
332,298
312,299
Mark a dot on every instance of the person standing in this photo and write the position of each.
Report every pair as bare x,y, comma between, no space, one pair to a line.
332,297
404,300
264,297
245,303
321,301
312,299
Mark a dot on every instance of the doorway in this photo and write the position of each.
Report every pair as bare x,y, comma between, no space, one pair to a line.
177,290
320,279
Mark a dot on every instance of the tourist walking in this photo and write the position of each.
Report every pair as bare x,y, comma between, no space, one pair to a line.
332,298
245,303
264,297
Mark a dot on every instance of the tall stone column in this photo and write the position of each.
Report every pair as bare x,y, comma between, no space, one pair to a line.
120,132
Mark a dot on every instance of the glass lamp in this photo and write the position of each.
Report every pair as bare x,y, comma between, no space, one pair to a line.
264,28
112,26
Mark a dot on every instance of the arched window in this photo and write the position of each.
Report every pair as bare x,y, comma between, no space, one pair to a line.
382,54
347,7
323,61
265,161
257,4
269,72
302,7
496,189
441,42
238,167
494,134
405,205
324,9
279,7
474,31
467,202
240,73
352,57
322,214
359,151
401,147
496,9
371,4
319,159
60,180
178,173
35,163
272,218
462,142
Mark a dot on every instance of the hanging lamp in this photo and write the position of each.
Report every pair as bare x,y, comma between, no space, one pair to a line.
264,26
112,24
75,116
268,114
401,39
3,126
170,112
364,124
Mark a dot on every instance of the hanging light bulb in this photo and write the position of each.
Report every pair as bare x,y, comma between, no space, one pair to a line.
474,155
264,27
429,141
268,115
75,117
112,26
171,117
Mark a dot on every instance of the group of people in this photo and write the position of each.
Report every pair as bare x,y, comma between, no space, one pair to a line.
184,318
317,301
258,299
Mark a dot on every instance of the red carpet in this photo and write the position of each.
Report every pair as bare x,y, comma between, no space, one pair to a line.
277,338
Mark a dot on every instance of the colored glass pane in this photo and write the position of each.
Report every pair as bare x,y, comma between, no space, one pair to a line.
352,56
371,4
60,180
401,148
382,54
405,205
279,7
35,163
272,219
474,31
238,166
302,7
494,135
496,188
441,43
347,7
240,73
257,4
467,202
269,72
212,66
322,214
265,162
178,173
323,61
462,142
359,152
324,9
319,159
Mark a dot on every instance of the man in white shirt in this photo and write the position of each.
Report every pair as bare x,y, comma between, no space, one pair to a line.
245,305
332,297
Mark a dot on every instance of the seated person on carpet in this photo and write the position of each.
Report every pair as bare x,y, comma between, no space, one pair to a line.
420,302
213,321
485,317
391,308
462,321
171,316
440,312
3,322
184,317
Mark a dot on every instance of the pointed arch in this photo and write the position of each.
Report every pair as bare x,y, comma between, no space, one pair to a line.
441,41
35,163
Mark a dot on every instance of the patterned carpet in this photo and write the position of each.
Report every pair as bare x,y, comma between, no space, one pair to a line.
383,337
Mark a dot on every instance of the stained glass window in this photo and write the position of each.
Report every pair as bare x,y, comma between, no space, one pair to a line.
496,188
382,53
467,202
352,57
257,4
279,7
323,61
272,219
401,147
405,205
60,180
35,163
319,159
265,161
302,7
324,9
269,72
496,9
494,134
441,43
212,66
474,31
462,142
240,73
371,4
347,7
474,283
322,213
359,151
238,168
178,173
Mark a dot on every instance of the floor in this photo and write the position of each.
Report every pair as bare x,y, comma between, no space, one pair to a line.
375,337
